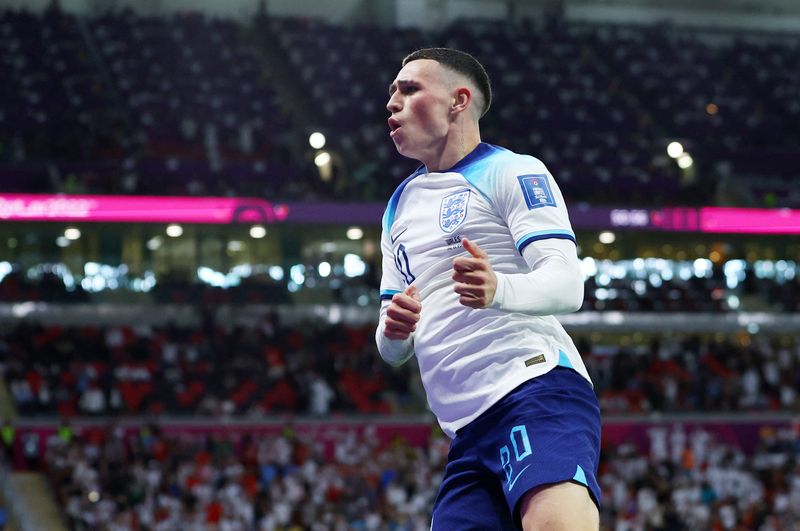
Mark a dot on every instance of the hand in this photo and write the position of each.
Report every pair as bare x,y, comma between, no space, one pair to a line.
476,282
402,314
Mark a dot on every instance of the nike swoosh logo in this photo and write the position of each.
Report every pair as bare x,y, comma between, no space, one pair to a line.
394,238
511,485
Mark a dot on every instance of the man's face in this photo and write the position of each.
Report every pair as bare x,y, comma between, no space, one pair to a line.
420,104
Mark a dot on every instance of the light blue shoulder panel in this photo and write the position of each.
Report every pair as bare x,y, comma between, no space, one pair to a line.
391,208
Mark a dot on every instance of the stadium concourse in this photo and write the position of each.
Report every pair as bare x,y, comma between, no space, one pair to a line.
223,377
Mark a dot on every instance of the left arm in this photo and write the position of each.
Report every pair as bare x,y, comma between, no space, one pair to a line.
553,286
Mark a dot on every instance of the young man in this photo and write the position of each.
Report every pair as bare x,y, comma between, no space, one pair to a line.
478,255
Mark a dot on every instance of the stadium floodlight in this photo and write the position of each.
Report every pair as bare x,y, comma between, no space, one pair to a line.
323,158
5,269
62,241
607,237
276,273
298,274
258,231
354,266
675,149
324,269
685,161
174,230
72,233
355,233
317,140
154,243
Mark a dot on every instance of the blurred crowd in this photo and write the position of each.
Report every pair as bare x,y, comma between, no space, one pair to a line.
110,481
206,370
691,481
193,104
695,374
115,479
317,369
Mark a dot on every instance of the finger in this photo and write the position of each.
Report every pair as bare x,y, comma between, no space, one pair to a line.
404,301
463,263
412,292
399,328
469,277
391,334
473,249
471,302
401,315
468,290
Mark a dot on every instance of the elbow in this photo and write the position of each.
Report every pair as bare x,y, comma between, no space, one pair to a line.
574,302
395,356
567,304
575,306
578,301
394,362
571,306
393,352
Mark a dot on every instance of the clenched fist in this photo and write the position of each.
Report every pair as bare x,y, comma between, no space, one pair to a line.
475,280
402,314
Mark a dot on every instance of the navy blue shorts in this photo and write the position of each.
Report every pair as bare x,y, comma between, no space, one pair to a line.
545,431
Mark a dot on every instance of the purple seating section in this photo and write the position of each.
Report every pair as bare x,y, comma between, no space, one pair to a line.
182,104
598,104
53,104
185,107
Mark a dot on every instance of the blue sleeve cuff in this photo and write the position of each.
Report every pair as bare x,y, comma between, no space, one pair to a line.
544,235
387,294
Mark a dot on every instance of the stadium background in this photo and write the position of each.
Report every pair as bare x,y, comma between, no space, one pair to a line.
188,288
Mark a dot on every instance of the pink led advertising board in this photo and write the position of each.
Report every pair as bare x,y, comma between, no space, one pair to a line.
118,208
750,220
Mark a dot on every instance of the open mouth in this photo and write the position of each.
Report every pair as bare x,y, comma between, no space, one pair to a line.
394,125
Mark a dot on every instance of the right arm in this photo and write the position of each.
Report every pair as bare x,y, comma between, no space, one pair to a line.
396,325
399,313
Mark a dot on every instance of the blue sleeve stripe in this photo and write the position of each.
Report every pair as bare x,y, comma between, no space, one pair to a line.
387,294
544,235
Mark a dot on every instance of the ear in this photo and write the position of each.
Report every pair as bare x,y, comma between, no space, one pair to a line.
462,98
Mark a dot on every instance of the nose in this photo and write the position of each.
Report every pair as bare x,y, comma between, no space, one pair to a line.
393,105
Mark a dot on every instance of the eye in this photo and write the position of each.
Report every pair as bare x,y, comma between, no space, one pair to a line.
410,89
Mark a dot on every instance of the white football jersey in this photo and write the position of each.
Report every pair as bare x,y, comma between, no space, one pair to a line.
470,358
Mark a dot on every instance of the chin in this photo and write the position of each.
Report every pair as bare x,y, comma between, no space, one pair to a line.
406,151
400,149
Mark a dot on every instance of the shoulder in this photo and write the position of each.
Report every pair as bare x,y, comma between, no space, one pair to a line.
391,207
495,165
513,163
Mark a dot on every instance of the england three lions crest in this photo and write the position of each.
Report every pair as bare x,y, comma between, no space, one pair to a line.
453,211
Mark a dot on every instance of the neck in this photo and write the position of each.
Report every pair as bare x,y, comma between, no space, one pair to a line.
455,146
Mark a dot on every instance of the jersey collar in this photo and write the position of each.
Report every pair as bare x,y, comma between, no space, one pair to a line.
481,151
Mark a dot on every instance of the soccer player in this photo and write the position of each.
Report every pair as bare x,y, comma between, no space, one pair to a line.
478,255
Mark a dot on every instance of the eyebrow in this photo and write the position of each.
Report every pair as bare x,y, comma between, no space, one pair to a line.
400,82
